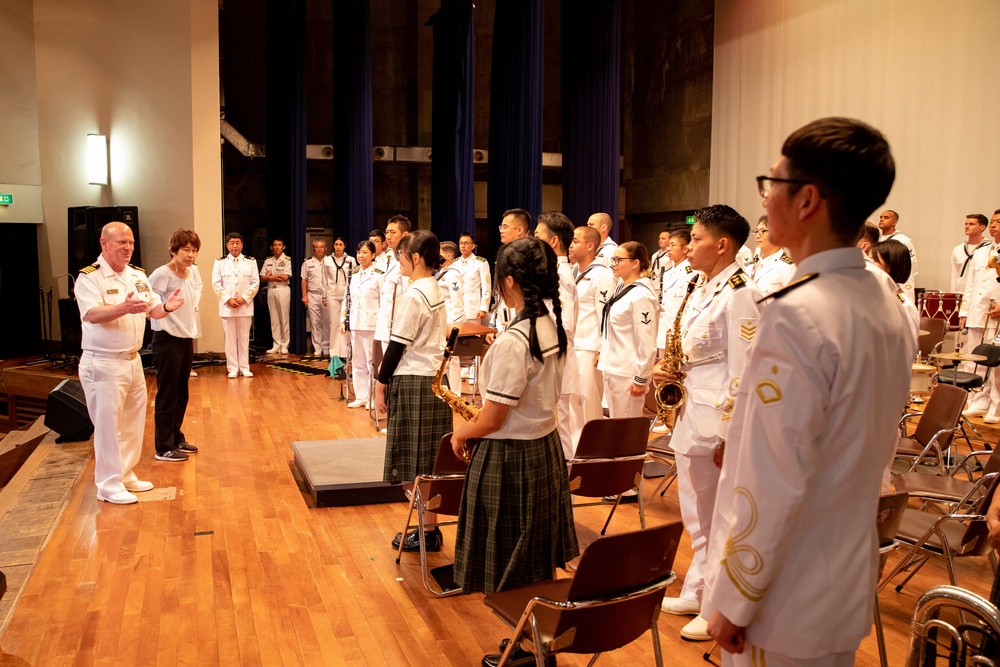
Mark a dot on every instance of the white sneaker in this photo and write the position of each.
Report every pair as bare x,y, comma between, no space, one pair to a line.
696,630
120,498
247,374
232,374
662,428
274,350
139,485
972,412
680,606
384,431
284,350
356,404
990,419
194,374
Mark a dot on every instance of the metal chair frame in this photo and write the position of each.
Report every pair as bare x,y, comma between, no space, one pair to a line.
964,648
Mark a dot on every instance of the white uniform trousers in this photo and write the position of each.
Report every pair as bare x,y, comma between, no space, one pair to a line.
278,303
237,331
618,394
319,324
454,374
697,481
753,656
569,411
591,385
361,357
338,340
116,401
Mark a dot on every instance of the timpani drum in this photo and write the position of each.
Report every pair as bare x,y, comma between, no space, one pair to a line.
942,306
922,378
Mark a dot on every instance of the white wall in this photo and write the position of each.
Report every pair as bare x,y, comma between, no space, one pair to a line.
922,71
146,75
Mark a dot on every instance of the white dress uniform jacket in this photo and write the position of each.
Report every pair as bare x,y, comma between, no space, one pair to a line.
659,266
475,283
911,282
793,551
594,286
233,277
980,289
392,288
605,252
961,265
628,342
675,284
773,272
337,271
365,285
452,291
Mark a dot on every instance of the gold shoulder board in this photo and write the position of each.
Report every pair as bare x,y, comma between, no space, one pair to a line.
786,258
137,268
789,287
250,258
737,280
378,270
90,269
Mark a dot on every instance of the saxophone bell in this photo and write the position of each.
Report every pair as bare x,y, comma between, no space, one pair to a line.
671,395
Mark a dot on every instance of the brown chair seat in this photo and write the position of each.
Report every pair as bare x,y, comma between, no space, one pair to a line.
922,485
916,523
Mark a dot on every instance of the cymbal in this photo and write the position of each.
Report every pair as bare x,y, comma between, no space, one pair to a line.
958,356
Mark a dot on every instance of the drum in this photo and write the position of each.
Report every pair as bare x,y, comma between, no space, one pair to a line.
922,378
942,306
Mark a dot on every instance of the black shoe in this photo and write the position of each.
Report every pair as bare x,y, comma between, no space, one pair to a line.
340,374
172,455
433,539
518,657
187,448
626,498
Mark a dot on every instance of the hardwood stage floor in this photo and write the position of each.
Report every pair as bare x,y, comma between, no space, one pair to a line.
236,569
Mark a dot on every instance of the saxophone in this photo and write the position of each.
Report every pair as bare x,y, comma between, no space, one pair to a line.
458,405
670,395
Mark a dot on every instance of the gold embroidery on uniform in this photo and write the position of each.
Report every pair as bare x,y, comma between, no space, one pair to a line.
747,329
768,391
743,561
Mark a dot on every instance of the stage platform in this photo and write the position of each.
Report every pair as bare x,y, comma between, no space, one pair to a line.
345,472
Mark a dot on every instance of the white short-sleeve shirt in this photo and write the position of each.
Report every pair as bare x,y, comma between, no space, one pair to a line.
419,324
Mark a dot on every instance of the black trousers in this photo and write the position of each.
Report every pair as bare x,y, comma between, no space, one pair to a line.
172,358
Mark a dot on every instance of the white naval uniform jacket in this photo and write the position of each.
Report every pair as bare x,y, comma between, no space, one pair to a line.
475,283
628,342
594,286
337,272
392,288
99,285
980,288
961,265
675,283
452,291
659,266
793,552
718,325
365,286
773,272
277,265
232,277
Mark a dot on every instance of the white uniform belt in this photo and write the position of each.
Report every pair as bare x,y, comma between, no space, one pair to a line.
128,356
719,356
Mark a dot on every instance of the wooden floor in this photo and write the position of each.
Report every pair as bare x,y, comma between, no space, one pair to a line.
237,569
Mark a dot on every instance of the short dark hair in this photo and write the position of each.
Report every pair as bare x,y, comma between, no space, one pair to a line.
636,250
234,235
869,233
423,243
895,256
849,162
181,238
980,218
682,234
367,244
278,238
401,221
522,216
469,234
722,220
559,225
590,235
378,233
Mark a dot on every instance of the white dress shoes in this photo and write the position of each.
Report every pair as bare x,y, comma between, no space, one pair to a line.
990,419
139,485
232,374
696,630
971,412
274,350
680,606
120,498
356,404
247,374
662,429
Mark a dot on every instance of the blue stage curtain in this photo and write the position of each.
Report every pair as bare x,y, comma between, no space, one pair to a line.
352,122
515,166
591,108
452,198
285,141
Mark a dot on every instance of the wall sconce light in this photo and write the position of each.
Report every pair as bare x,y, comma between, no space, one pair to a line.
97,159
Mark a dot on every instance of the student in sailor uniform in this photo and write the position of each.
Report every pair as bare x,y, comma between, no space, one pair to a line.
628,333
515,526
418,419
718,324
357,316
451,283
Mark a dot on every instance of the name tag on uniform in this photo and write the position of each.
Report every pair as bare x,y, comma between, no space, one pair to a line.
112,291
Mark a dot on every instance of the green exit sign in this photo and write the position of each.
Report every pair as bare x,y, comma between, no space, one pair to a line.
689,220
6,200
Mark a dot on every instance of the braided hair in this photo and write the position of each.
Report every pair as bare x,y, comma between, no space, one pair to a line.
533,266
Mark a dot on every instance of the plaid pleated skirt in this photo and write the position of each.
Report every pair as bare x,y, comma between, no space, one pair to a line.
516,521
417,421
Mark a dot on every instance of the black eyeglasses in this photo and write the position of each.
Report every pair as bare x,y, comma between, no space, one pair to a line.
765,183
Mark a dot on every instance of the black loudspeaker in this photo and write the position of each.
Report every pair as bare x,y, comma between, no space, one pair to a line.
85,223
19,290
66,412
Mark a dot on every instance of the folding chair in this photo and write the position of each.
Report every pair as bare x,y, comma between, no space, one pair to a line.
936,426
887,520
972,381
609,458
931,342
441,493
613,599
937,489
961,534
658,450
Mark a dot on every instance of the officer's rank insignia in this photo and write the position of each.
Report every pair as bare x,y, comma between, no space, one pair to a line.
768,389
748,328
